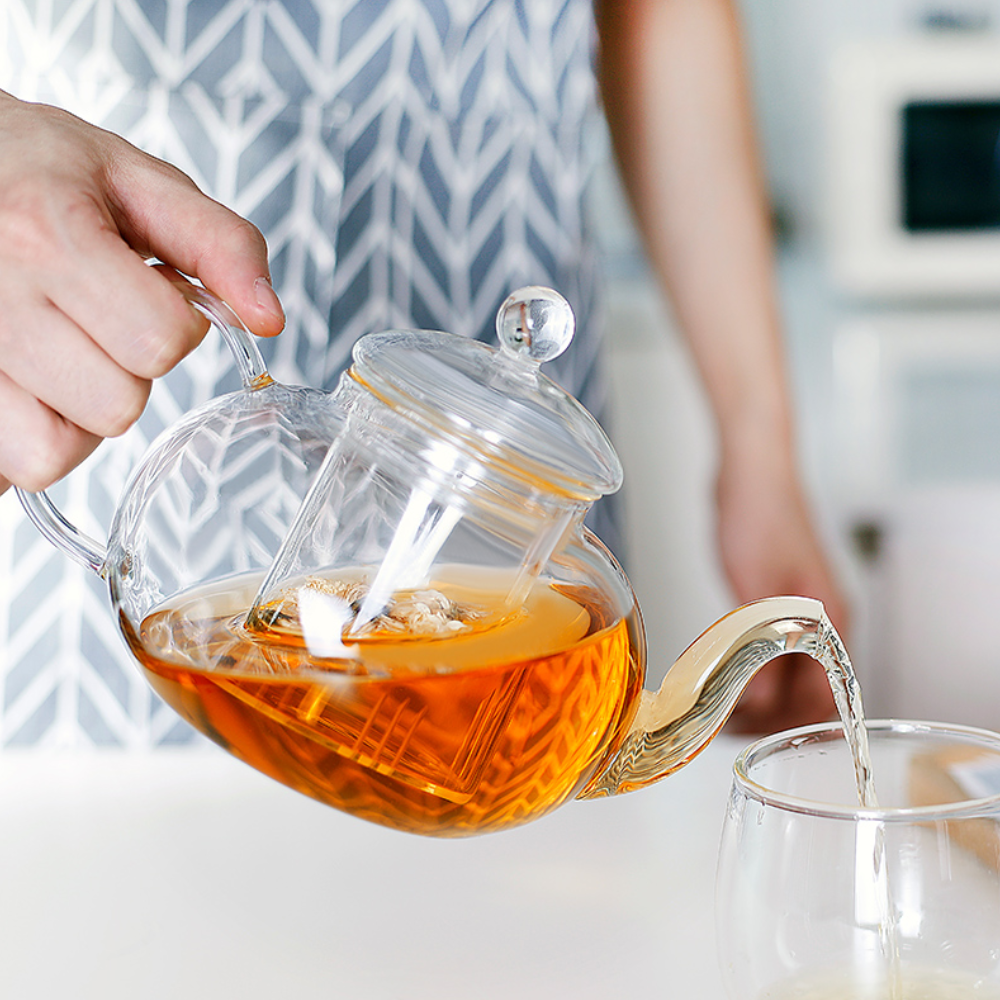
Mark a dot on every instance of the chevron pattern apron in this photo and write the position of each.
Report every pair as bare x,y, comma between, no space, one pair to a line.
410,162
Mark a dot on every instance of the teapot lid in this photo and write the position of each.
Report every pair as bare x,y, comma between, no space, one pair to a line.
497,403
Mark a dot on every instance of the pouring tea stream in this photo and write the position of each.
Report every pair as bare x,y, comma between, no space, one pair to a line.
386,598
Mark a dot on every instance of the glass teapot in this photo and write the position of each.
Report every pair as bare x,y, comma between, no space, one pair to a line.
386,598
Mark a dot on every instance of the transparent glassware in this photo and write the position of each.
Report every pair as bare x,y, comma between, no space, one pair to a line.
819,898
456,458
215,493
385,596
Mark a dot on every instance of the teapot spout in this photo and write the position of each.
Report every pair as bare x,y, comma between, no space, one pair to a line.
702,688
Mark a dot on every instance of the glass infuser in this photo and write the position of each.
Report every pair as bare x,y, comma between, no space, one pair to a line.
386,598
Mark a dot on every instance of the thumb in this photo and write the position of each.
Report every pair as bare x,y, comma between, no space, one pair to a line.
161,213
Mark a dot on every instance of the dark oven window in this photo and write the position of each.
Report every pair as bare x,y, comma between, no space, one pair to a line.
950,175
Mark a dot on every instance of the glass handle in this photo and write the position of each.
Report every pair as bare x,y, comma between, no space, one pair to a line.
702,688
239,340
44,514
49,520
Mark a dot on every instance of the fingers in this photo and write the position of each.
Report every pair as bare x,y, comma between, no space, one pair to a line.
153,207
86,323
68,373
128,310
60,246
61,389
162,213
37,446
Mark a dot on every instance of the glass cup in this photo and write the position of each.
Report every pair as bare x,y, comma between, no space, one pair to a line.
820,898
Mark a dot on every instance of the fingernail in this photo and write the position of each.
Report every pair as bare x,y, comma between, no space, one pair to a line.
267,299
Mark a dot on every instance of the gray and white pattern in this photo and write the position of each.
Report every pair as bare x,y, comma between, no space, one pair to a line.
410,162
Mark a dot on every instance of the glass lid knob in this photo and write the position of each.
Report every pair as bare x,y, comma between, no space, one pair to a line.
535,324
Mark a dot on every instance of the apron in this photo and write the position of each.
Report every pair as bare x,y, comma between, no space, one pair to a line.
410,163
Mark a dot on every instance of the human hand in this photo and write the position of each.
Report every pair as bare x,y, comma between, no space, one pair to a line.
769,547
86,324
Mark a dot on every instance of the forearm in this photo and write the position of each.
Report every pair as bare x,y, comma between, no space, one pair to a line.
677,102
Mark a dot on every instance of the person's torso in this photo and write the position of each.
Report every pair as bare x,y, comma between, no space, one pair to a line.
410,162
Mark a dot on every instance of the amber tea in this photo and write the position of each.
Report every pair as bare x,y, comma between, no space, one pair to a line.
489,720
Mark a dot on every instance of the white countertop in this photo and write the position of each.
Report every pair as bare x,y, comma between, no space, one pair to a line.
183,873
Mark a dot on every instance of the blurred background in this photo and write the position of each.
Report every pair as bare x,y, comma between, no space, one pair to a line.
879,124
